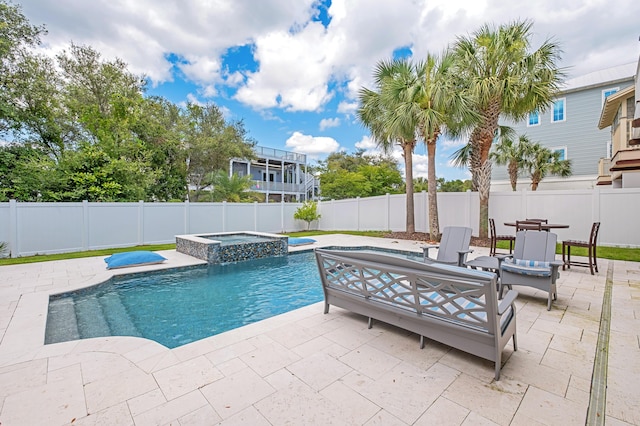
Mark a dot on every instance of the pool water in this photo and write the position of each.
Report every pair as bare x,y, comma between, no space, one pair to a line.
181,306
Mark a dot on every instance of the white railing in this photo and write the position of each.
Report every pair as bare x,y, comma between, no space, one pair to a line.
41,228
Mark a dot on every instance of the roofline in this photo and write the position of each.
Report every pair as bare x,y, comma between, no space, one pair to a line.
611,105
601,84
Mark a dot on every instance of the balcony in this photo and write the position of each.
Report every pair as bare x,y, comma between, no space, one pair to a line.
604,172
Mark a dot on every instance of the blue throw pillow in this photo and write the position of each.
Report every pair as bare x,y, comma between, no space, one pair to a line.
300,241
133,258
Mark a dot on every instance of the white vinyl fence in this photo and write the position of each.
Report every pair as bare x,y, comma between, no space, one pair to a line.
41,228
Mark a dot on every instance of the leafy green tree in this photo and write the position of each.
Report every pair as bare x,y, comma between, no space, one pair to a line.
504,78
541,162
308,212
161,129
349,176
456,185
20,172
210,143
17,38
513,155
89,173
341,184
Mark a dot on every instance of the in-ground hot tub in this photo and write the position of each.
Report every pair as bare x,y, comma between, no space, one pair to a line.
226,247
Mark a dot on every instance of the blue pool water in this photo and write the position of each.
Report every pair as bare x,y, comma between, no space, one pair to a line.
178,307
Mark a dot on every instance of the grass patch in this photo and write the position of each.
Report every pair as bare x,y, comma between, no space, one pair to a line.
602,252
81,254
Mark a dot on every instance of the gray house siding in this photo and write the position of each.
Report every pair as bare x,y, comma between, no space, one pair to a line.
585,144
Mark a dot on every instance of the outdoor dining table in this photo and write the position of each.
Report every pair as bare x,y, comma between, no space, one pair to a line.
544,226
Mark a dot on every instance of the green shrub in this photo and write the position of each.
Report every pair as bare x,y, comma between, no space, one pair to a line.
308,212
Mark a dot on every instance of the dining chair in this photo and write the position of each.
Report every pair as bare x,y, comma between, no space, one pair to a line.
590,246
528,225
495,238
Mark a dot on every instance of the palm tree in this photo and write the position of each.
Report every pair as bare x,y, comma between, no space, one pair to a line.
504,78
541,162
232,189
513,155
379,111
424,99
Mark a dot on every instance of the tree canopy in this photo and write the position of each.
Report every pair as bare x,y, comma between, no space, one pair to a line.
81,127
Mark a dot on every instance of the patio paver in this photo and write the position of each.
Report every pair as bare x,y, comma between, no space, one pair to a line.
304,367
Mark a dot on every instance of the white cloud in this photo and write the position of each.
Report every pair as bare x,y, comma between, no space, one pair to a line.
313,146
326,123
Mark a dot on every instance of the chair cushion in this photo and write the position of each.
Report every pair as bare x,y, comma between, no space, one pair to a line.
133,258
527,267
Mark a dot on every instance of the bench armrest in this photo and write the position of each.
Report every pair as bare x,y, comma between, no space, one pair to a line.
507,301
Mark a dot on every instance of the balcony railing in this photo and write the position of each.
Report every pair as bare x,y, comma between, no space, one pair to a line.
604,167
262,186
280,154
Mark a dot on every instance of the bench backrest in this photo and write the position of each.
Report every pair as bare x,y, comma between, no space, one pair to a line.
458,295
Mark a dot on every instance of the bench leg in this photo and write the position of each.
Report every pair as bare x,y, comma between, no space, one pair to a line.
370,323
326,308
421,342
515,342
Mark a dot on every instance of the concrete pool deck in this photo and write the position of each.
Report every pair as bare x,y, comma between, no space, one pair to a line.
304,367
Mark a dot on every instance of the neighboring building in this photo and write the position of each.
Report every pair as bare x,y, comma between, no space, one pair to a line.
621,113
280,175
569,126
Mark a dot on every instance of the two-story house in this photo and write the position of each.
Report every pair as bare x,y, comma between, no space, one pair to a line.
621,115
280,175
570,126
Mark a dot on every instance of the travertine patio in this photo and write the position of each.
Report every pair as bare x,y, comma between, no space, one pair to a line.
305,367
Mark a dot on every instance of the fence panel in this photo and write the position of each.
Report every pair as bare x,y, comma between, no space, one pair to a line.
204,218
112,224
162,222
41,228
49,228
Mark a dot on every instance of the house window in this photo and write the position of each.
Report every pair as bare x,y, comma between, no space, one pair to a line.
534,119
608,92
562,150
558,113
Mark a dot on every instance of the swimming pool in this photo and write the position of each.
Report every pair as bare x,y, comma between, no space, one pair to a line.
181,306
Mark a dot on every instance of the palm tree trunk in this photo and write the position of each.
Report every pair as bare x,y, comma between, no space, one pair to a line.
434,224
484,184
407,152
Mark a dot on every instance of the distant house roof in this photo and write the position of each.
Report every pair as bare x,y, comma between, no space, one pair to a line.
612,104
611,75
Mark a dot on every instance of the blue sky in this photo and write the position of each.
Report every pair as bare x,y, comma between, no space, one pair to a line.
291,69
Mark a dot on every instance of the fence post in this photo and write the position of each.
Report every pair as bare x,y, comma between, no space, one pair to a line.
468,210
224,216
357,213
281,216
388,218
255,216
140,222
595,203
85,225
187,217
13,228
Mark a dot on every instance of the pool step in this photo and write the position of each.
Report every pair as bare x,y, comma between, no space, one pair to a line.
62,324
117,316
91,320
